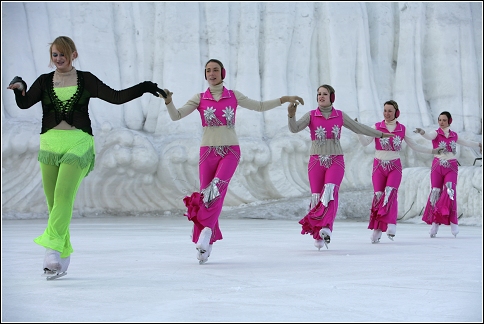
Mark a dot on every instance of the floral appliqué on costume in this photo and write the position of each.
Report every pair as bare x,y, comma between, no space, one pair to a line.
320,135
229,115
210,118
335,132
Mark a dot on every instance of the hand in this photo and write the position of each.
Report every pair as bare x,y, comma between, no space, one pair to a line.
18,84
168,97
438,151
291,109
161,92
152,88
419,130
294,99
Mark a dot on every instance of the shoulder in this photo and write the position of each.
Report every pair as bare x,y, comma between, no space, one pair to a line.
86,74
46,76
237,94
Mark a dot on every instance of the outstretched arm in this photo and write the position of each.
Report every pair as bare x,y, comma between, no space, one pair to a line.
358,128
187,109
427,135
419,148
464,142
296,126
260,106
363,139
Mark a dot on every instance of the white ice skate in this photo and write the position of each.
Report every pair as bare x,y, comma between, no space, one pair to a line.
433,230
203,257
325,234
392,229
454,228
55,266
319,244
204,240
375,236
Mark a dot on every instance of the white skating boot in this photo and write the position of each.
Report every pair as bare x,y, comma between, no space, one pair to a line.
204,240
325,234
55,266
319,244
375,236
454,228
433,230
203,257
391,230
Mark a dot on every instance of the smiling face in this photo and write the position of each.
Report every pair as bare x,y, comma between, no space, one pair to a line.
389,112
62,62
213,73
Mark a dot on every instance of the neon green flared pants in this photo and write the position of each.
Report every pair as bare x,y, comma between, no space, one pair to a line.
66,157
60,187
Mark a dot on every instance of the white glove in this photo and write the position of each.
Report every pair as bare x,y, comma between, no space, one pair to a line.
294,99
168,98
419,130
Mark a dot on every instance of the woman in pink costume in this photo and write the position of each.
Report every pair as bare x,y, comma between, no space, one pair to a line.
326,162
219,150
387,171
441,205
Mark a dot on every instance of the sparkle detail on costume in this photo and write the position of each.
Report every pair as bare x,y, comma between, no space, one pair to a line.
443,145
221,150
335,132
397,143
378,194
385,144
210,118
325,160
385,164
434,196
453,147
229,115
314,200
388,191
320,135
450,191
327,194
211,192
444,163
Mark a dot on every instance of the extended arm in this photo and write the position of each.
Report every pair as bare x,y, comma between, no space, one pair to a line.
358,128
363,139
296,126
260,106
427,135
26,99
468,143
417,147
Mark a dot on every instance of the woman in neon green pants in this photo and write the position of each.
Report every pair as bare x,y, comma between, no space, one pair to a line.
66,153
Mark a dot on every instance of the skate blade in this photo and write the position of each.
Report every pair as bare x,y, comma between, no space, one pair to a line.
52,275
391,236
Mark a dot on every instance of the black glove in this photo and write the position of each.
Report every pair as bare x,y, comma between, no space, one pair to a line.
163,93
153,89
19,79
